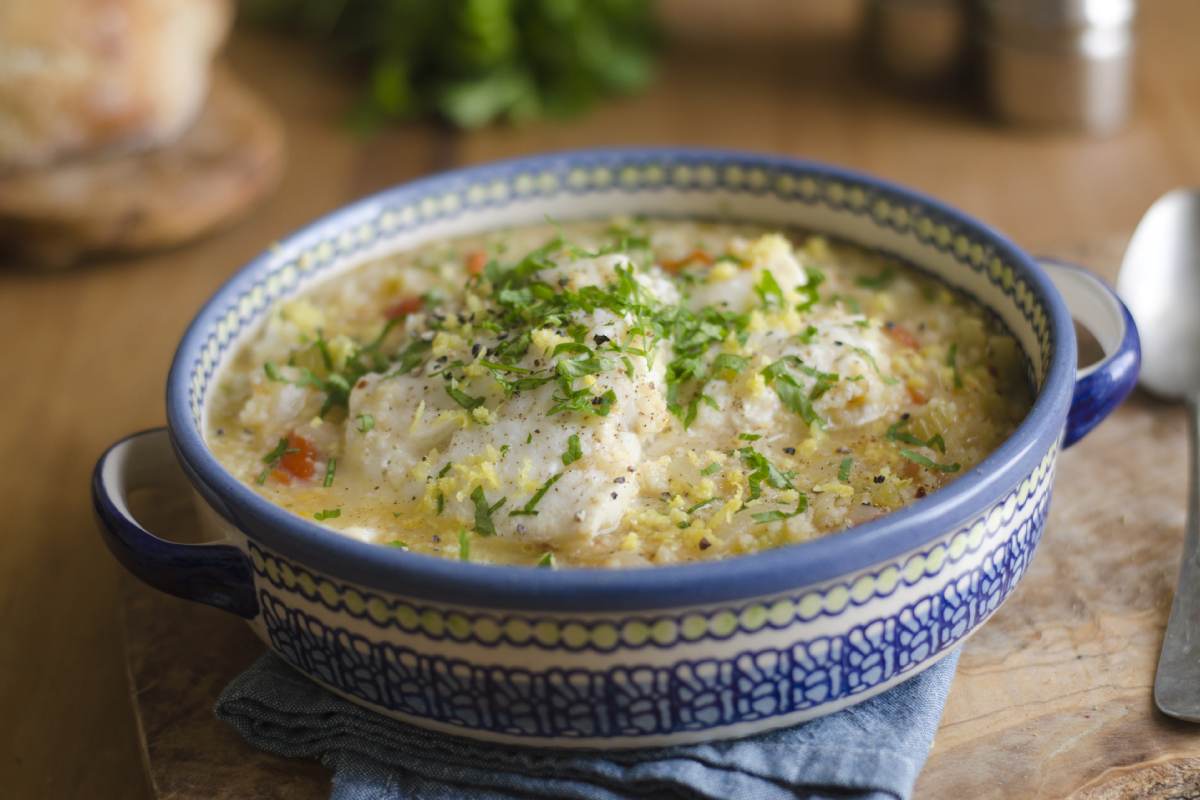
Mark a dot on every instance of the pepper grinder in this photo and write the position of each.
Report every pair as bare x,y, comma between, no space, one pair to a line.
1059,63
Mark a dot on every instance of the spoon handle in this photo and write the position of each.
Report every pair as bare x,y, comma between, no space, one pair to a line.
1177,683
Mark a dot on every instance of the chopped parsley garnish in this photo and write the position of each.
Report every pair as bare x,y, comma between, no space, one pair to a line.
877,282
809,296
330,469
272,460
896,433
729,362
403,545
702,504
846,300
547,561
364,422
464,545
573,453
589,364
791,393
328,513
528,510
769,290
952,363
925,461
583,402
440,500
462,398
483,512
337,383
870,359
711,469
807,335
693,334
776,516
844,469
445,470
763,470
749,437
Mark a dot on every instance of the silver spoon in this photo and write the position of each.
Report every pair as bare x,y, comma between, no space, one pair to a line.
1160,283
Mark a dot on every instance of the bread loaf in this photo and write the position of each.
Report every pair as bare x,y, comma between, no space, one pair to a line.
129,202
84,76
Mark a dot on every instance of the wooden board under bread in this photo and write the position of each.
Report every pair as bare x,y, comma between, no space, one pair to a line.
135,201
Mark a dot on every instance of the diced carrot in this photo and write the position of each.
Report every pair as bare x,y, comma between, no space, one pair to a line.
300,458
917,396
476,261
281,477
403,308
676,264
901,335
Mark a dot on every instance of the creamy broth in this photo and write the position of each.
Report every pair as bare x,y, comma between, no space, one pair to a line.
623,393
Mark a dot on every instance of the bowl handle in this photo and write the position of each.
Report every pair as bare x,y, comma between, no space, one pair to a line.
216,574
1101,386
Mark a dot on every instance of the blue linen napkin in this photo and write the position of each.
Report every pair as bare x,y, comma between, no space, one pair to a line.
871,751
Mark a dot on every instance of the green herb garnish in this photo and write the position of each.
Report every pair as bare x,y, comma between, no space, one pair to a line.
844,469
924,461
896,433
547,561
776,516
365,359
877,282
483,511
527,510
779,377
846,300
328,513
272,460
769,290
464,545
729,362
584,402
330,469
574,453
870,359
763,470
472,64
711,469
952,362
809,296
462,398
702,504
364,422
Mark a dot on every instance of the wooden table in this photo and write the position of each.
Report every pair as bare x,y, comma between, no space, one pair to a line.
85,355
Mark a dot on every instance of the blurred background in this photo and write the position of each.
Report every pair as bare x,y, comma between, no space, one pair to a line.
148,148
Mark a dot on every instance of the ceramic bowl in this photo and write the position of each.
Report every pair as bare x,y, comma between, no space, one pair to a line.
633,657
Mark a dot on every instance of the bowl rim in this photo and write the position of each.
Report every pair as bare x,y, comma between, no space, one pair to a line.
771,572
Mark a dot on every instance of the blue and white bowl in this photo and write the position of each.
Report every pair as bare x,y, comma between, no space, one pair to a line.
637,657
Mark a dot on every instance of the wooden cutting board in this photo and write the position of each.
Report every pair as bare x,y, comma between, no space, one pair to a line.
1052,697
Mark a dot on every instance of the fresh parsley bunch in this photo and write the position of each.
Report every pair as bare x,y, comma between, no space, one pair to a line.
471,62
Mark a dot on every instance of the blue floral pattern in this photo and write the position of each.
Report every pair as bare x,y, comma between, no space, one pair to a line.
645,699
